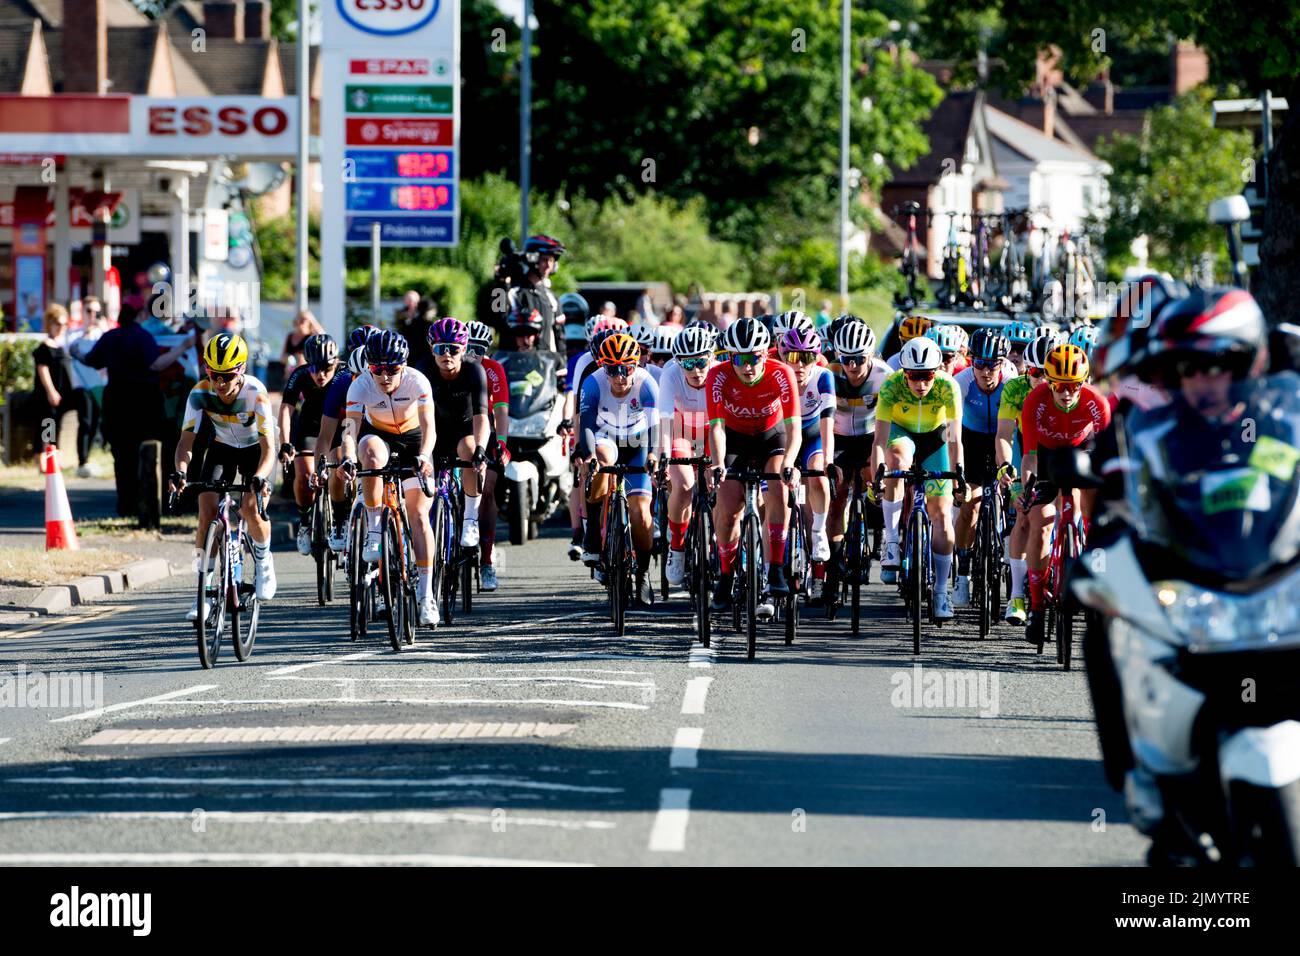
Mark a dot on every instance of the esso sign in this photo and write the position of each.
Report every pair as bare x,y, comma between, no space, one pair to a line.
200,120
388,17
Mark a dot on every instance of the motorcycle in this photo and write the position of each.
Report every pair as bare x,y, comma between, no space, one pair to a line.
538,478
1192,630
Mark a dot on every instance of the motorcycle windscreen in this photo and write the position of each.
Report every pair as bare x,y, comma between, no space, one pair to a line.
1222,494
532,381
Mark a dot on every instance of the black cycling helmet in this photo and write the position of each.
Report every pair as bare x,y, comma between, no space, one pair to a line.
320,351
387,348
598,338
1225,323
988,344
359,336
1125,333
525,320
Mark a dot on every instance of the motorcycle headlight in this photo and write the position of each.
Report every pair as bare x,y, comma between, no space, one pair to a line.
1217,621
530,426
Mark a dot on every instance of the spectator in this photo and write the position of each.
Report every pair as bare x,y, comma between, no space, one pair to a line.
824,317
726,315
304,327
412,320
91,380
676,315
57,393
645,304
132,401
609,309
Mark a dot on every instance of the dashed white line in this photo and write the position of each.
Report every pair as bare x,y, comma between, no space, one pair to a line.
685,754
668,835
161,698
292,701
268,859
697,688
543,678
5,740
294,668
702,656
309,817
510,783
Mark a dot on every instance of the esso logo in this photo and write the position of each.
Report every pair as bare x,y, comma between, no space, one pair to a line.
388,17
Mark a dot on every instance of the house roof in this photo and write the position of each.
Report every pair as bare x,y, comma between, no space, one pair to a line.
15,39
1102,126
226,66
117,13
948,129
1030,142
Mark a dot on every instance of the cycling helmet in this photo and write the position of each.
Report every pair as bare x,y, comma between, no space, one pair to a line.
320,351
855,338
1085,336
226,352
796,339
1048,332
947,337
1036,352
790,320
1126,332
574,307
594,345
1020,332
449,331
692,341
912,326
989,344
544,244
525,320
663,343
1066,363
746,335
963,339
618,349
921,354
387,348
357,360
480,335
643,334
359,335
767,321
1223,322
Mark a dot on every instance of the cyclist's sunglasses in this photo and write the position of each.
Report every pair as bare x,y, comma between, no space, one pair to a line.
694,364
478,350
385,369
619,371
223,376
326,367
919,375
746,359
1033,372
987,364
800,358
446,348
853,360
1059,387
1186,368
949,356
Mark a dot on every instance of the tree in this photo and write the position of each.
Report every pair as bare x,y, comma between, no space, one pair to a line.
1163,180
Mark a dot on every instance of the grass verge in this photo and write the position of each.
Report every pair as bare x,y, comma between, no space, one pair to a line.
28,567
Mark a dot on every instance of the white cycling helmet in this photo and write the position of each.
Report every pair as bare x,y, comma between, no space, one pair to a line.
921,354
480,334
1047,332
1036,353
357,360
947,337
663,344
589,327
746,335
786,321
643,334
855,338
692,341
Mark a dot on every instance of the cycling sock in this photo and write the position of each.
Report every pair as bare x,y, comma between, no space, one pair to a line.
374,518
775,543
261,550
677,535
1036,589
642,561
1019,567
727,556
942,569
893,510
819,571
487,538
340,513
818,521
422,585
471,507
963,561
577,534
198,560
304,516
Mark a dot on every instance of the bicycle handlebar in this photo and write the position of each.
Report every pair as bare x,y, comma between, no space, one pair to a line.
398,472
704,460
622,470
219,487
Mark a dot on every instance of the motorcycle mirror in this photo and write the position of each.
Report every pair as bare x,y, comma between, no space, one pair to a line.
1228,210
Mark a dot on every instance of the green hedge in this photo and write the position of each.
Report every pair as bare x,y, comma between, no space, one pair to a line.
450,288
17,370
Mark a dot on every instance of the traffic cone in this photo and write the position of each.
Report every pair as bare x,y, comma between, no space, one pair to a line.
59,532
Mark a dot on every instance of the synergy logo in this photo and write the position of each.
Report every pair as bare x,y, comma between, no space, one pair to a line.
388,18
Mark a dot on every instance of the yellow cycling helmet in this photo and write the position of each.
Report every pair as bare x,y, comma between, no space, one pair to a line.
226,353
913,326
1066,363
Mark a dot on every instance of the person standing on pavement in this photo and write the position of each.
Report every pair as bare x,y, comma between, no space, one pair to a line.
412,321
304,327
57,392
91,380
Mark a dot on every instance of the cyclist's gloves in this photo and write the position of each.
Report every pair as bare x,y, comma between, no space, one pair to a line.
503,452
566,426
1006,470
718,475
479,457
348,467
286,450
787,475
833,472
176,480
961,480
257,483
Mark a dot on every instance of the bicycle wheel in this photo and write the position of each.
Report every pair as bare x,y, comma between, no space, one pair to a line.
357,588
916,581
320,548
665,540
409,579
438,572
467,585
855,542
983,571
1064,613
390,576
212,595
796,569
244,632
615,569
752,539
993,583
703,577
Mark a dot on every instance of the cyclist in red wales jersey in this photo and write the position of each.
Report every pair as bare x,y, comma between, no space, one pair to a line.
1059,416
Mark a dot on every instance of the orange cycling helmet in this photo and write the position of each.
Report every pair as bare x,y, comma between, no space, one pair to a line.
618,349
1066,363
913,326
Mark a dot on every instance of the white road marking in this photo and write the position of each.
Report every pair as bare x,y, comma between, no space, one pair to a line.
696,690
268,859
668,835
5,740
294,668
309,817
290,701
702,656
512,783
531,624
322,732
99,711
584,681
686,748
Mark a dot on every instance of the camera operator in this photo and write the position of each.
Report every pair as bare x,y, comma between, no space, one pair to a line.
523,277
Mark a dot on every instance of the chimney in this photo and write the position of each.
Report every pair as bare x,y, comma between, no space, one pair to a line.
1049,112
1188,67
1047,72
257,19
85,49
223,20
